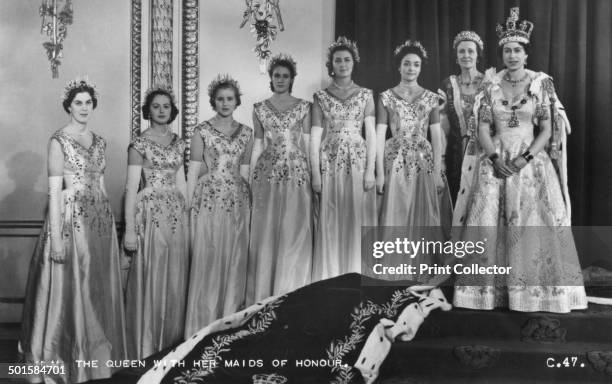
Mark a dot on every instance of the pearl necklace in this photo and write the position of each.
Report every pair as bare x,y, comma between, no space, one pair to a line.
347,87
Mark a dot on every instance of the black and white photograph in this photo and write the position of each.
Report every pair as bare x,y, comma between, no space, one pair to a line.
305,191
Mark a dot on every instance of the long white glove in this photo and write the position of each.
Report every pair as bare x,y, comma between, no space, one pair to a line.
181,183
56,221
192,179
315,159
103,186
369,180
381,131
258,148
130,241
307,147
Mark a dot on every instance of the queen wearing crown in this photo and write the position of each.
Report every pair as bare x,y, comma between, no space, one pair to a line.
220,209
156,231
74,303
513,193
343,164
280,250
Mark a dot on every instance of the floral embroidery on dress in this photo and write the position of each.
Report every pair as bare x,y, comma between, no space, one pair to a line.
160,194
408,150
532,228
339,348
260,322
222,186
83,168
284,159
343,149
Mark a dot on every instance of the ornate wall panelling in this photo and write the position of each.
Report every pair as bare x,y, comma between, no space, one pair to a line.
155,54
190,76
135,66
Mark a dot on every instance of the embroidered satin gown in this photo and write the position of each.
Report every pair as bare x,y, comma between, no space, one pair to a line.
156,291
523,219
410,196
280,251
74,311
344,205
220,214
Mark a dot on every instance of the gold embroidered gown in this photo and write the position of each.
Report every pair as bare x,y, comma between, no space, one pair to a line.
74,310
156,291
280,250
344,204
220,214
523,219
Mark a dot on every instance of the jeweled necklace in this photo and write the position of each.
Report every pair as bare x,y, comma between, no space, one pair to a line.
346,87
514,83
407,92
513,121
470,81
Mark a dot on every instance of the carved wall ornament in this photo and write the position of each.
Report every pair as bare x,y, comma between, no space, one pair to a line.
601,361
161,43
135,66
190,72
262,15
543,329
477,356
55,19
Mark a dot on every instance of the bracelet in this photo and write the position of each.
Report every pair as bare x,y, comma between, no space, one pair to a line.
527,156
494,156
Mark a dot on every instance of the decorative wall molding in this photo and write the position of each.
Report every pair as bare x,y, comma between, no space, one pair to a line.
135,65
20,228
190,75
32,228
161,42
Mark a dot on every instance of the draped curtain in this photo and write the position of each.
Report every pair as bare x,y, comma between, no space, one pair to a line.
571,41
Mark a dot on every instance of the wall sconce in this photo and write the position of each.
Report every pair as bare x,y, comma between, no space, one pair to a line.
54,25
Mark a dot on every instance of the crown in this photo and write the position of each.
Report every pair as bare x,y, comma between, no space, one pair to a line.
468,36
414,44
282,57
161,88
515,31
80,81
264,378
345,43
222,79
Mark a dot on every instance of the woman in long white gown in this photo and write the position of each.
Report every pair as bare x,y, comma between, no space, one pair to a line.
280,250
342,165
514,193
220,210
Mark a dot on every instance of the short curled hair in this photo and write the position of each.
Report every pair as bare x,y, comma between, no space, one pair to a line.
330,56
223,85
146,107
285,64
399,56
526,48
478,49
75,91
